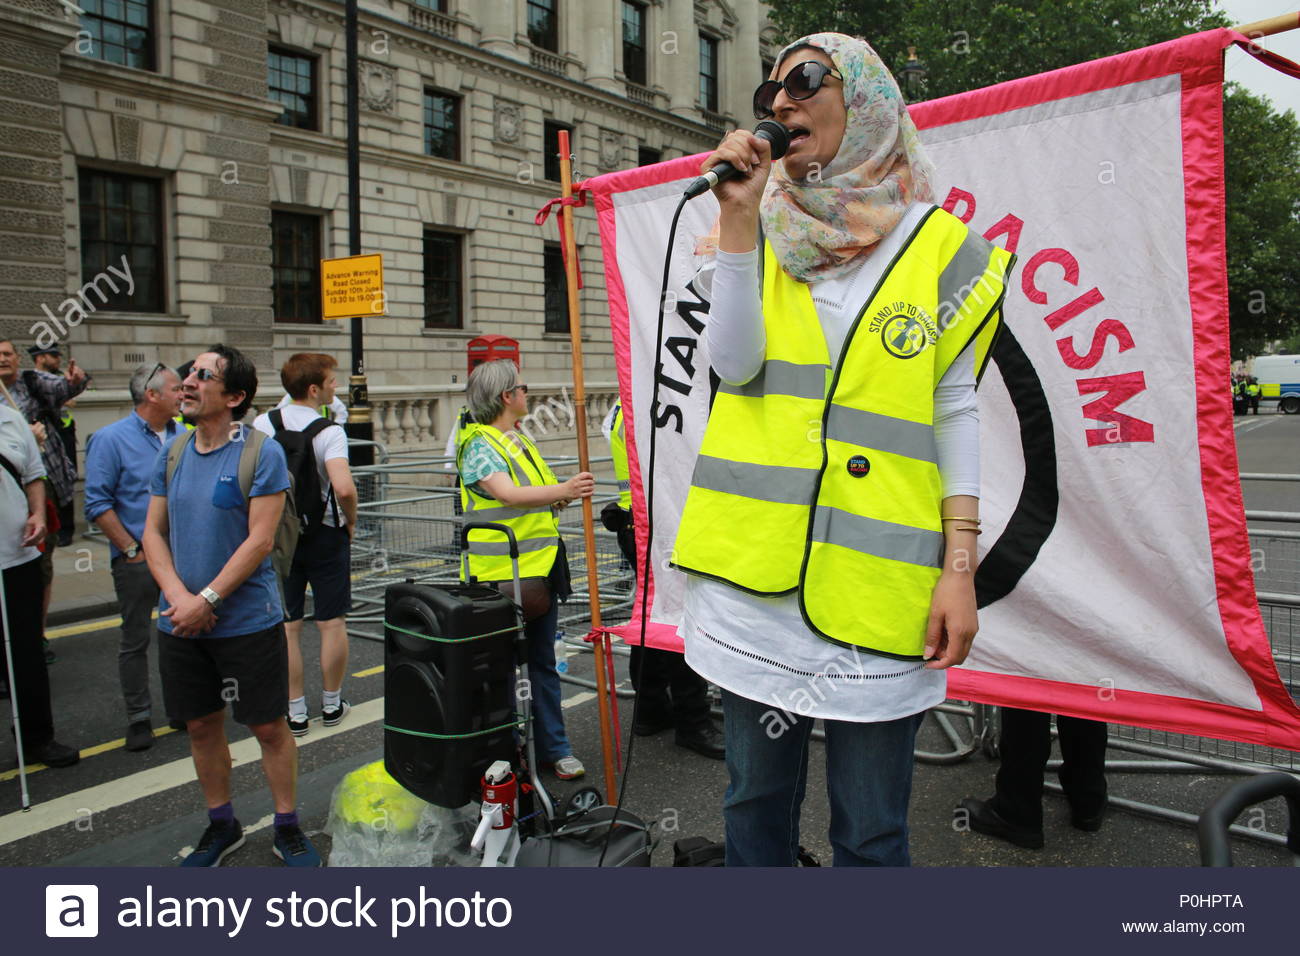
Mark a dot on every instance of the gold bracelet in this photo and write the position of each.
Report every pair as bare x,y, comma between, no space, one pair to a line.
959,518
974,530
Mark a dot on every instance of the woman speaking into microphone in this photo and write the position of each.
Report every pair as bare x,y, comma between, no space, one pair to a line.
829,533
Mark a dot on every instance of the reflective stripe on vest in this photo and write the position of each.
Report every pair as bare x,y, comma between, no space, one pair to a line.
534,528
618,451
825,482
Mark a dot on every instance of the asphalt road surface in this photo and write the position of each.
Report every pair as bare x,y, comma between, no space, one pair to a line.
120,808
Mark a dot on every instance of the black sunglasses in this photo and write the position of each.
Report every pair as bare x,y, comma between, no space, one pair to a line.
801,82
522,386
206,374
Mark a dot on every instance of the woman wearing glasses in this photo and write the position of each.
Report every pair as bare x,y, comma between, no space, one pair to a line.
504,479
829,532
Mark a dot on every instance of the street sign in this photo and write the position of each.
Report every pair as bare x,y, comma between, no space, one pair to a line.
352,286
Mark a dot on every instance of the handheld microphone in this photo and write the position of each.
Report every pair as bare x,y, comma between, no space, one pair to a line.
770,130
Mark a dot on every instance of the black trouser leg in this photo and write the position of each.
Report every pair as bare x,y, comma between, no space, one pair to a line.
627,543
1025,744
690,693
31,684
1083,763
650,680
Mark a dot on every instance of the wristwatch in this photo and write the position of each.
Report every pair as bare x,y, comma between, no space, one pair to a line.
133,550
212,597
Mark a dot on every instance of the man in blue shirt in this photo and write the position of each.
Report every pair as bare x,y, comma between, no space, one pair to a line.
120,460
220,632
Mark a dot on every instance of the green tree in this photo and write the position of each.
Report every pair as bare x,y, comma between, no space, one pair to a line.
970,44
1262,185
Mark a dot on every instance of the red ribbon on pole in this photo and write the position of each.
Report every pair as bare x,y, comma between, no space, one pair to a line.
578,199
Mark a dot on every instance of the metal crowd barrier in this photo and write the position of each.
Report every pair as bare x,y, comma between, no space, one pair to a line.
406,530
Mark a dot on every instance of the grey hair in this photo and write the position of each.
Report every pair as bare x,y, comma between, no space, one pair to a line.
484,388
145,378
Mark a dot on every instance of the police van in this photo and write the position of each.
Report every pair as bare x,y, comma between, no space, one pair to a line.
1279,381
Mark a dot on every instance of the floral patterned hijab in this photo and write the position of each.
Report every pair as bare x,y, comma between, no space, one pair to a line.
820,225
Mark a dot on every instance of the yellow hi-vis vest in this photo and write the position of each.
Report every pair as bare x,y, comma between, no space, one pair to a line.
535,528
618,451
824,481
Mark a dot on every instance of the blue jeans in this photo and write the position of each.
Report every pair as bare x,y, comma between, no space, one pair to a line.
548,719
868,779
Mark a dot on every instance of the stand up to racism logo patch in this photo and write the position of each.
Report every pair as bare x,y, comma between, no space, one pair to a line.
905,329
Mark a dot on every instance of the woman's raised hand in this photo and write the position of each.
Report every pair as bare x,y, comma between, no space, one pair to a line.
581,485
753,157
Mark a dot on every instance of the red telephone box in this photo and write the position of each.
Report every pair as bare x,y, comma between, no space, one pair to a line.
488,348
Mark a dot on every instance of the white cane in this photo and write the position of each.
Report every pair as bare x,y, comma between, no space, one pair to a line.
13,697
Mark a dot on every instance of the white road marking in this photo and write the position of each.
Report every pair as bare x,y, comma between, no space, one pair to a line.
73,807
577,699
1255,424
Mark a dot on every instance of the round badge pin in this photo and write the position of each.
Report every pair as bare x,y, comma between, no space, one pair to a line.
859,466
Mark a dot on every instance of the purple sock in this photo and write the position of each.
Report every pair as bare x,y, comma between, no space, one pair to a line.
222,814
289,819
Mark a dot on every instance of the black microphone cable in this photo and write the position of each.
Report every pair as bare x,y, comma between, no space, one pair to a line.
649,516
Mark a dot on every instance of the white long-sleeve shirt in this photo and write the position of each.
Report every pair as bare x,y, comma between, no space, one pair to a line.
760,647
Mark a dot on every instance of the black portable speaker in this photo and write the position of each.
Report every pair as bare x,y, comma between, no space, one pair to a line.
449,688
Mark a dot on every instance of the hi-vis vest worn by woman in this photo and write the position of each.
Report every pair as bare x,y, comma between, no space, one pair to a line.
824,481
618,451
535,528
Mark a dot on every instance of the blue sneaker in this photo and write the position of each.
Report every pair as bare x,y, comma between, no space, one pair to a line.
292,846
218,841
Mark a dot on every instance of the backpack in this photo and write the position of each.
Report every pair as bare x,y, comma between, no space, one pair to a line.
303,473
287,532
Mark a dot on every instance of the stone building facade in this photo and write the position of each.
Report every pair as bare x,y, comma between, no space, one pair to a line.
205,142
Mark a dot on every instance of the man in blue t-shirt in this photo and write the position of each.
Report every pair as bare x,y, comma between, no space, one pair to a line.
220,632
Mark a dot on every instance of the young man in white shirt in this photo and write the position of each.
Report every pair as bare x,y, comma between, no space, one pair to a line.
324,555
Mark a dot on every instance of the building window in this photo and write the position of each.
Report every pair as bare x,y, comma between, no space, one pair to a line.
295,266
443,288
121,31
709,73
646,156
556,288
768,67
543,25
551,141
634,42
121,219
291,80
441,125
437,6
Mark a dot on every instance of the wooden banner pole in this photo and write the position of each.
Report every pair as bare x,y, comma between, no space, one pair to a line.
1273,25
601,643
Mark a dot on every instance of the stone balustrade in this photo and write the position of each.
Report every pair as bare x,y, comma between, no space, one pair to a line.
434,22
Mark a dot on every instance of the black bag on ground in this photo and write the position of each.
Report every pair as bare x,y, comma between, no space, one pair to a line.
698,851
580,841
301,459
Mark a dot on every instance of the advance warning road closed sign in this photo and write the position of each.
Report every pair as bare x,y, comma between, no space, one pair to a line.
352,286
